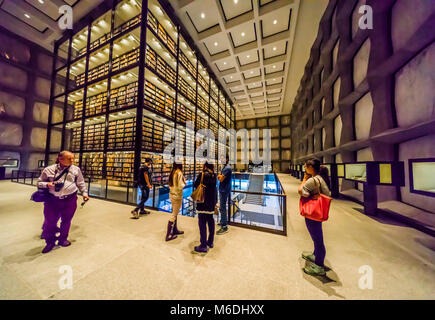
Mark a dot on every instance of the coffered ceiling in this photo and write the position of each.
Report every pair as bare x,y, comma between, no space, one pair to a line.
37,20
248,44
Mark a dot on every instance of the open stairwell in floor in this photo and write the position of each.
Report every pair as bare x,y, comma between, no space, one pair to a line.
255,185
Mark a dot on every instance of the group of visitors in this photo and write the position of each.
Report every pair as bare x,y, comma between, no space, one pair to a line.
63,180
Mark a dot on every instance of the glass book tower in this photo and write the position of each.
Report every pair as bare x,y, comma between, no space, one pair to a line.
118,84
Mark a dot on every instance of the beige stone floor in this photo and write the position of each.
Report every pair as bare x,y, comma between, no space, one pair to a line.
115,257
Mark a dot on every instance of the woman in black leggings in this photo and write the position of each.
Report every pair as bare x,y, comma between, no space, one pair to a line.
316,180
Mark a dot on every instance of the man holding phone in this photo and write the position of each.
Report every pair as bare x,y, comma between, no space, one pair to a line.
224,193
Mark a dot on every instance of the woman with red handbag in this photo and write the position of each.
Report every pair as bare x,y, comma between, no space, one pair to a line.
314,205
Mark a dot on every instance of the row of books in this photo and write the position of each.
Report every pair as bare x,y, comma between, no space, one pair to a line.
155,25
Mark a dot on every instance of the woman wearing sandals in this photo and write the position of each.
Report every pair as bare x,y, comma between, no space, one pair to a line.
206,209
316,180
176,186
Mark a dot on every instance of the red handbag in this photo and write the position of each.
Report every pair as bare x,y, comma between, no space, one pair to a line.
315,208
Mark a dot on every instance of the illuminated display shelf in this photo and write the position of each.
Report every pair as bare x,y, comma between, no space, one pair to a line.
105,89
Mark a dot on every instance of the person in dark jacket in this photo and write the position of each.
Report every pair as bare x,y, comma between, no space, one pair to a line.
206,210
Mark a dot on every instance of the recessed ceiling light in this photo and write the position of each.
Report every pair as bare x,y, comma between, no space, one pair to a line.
243,34
274,48
215,44
41,1
236,1
27,16
203,15
225,63
274,67
248,56
275,21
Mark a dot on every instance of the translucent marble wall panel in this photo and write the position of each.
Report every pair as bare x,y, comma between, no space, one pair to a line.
274,121
285,120
336,92
335,53
285,132
40,112
338,158
360,63
323,138
45,63
285,143
285,166
364,155
415,94
261,123
11,134
356,17
406,18
14,50
38,138
42,88
413,149
57,115
240,124
250,123
274,132
274,155
13,77
12,105
285,155
338,126
363,117
274,143
32,163
55,142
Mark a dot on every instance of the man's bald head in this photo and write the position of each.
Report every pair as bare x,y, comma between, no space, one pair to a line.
65,158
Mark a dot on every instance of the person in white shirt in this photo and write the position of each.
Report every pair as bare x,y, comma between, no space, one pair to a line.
62,202
176,186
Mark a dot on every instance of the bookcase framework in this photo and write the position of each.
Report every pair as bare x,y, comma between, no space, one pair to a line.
129,73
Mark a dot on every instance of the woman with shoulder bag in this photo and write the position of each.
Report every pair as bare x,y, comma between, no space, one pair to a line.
314,186
176,186
206,209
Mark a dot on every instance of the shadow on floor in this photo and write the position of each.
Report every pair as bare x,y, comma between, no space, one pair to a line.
325,283
383,219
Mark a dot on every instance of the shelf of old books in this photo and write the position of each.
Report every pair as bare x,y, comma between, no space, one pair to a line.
100,98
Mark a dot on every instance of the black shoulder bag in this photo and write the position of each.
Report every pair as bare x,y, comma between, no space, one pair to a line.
43,194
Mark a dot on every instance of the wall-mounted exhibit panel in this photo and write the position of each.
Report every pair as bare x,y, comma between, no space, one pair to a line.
422,176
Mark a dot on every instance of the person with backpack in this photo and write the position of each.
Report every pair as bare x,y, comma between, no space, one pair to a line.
206,209
144,182
62,180
316,181
176,186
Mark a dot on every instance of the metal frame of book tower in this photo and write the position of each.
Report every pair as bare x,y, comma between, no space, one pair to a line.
120,79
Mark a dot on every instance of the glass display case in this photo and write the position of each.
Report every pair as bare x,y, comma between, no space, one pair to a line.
356,172
422,176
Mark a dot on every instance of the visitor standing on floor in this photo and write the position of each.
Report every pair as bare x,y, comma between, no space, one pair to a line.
316,181
206,209
176,186
224,194
144,183
62,200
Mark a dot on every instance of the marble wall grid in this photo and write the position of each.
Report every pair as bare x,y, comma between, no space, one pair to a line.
280,140
25,81
367,94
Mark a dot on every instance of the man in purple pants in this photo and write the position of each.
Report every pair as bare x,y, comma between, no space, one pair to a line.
63,180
